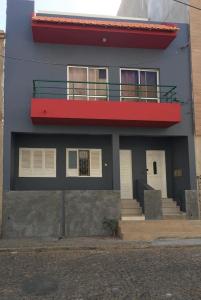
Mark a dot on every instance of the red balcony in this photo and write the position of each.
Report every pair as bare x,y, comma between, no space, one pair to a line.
52,105
107,33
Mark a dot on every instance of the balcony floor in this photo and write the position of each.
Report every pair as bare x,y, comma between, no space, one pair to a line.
104,113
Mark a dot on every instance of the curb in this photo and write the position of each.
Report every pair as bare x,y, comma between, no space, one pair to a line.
132,245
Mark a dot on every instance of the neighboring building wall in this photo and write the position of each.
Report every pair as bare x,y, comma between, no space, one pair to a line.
155,10
2,42
167,11
195,41
133,9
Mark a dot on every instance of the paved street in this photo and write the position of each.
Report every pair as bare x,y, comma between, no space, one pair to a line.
149,273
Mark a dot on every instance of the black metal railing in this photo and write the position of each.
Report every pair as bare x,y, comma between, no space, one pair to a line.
103,91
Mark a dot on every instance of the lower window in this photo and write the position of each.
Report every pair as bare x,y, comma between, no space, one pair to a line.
83,163
37,162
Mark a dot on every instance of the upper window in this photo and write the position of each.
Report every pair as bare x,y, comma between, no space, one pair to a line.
139,84
37,162
87,83
83,163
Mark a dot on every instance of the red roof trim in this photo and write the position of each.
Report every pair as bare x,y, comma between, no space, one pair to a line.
105,23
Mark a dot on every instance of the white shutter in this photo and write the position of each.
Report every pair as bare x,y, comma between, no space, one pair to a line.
95,163
37,162
24,162
72,167
38,159
50,162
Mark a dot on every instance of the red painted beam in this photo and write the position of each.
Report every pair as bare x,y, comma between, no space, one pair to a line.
104,113
106,37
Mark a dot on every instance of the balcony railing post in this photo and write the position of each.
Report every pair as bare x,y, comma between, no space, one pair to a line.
73,92
34,89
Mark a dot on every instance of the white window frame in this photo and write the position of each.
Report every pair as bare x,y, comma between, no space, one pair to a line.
33,171
140,70
88,97
77,173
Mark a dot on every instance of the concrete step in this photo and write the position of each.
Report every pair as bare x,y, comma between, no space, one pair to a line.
129,204
133,218
180,216
171,210
167,199
151,230
131,212
169,204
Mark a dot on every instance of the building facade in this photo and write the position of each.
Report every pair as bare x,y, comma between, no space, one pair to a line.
2,45
94,110
195,46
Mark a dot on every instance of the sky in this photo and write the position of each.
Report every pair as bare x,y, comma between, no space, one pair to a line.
96,7
2,14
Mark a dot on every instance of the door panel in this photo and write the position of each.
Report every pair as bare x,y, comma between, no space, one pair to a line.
156,171
126,178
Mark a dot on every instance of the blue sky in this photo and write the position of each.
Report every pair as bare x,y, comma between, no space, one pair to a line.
103,7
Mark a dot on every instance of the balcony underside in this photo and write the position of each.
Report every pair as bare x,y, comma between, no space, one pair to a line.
104,113
102,33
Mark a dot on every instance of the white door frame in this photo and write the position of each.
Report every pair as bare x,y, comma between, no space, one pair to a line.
164,171
128,177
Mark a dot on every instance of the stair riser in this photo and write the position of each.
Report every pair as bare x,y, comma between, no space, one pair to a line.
171,210
171,204
130,205
131,212
174,217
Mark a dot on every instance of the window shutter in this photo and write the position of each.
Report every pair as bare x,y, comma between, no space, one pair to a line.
35,162
37,159
24,162
96,163
50,162
72,163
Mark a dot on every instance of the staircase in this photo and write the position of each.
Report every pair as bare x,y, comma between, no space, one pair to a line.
131,210
171,211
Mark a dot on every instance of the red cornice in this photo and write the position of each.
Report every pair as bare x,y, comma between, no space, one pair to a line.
75,31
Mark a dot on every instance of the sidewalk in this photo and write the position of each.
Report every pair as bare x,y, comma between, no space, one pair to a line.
25,245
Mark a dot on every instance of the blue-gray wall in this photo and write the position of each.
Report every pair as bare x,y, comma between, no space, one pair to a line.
61,182
26,61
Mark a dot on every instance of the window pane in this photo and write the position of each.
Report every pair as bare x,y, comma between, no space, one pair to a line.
77,74
84,163
72,159
92,78
152,80
98,76
102,74
143,83
149,80
129,80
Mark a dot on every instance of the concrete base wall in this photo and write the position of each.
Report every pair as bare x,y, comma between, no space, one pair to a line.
32,214
192,206
86,210
58,213
153,205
